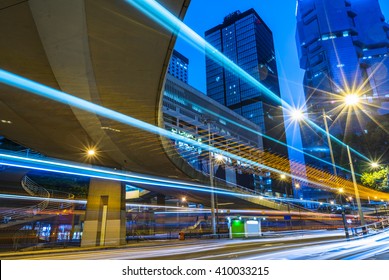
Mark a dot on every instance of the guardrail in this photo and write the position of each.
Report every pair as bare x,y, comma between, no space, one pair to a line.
257,197
26,153
34,189
370,229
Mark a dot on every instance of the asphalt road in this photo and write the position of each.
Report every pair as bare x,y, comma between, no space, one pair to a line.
322,245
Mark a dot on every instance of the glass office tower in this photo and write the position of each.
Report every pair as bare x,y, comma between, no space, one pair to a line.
246,40
343,48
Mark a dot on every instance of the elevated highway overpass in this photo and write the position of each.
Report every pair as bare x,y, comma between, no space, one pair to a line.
103,51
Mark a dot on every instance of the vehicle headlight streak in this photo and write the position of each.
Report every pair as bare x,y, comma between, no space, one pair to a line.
163,17
64,167
30,198
84,202
108,174
103,173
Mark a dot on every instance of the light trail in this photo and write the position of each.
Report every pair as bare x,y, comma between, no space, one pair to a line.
39,198
105,173
348,250
163,17
131,177
84,202
186,210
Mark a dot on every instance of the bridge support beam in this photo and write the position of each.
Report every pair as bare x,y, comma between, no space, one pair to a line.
105,220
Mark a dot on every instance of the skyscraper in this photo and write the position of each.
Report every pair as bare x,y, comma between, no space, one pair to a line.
178,66
343,45
343,48
246,40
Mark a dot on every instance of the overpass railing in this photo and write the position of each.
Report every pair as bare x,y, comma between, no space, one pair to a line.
257,197
48,205
370,229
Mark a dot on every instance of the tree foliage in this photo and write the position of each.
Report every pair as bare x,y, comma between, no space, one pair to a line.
377,180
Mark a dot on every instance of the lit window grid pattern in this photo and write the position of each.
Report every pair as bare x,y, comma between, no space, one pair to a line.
245,44
178,69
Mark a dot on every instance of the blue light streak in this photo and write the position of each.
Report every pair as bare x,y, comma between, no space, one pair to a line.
38,198
130,177
104,173
84,202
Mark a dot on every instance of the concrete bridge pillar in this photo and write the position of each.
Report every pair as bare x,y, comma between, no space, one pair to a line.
105,219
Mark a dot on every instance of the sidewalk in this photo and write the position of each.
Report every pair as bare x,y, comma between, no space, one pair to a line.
159,243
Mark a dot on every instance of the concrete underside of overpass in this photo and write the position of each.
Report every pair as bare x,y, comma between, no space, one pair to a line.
104,51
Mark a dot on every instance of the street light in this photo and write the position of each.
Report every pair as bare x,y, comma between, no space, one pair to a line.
213,217
360,212
91,152
351,99
219,158
283,177
297,114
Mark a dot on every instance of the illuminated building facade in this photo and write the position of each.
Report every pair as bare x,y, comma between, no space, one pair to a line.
247,41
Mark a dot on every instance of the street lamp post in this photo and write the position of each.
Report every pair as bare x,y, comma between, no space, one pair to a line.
297,115
213,217
360,212
343,215
283,177
335,174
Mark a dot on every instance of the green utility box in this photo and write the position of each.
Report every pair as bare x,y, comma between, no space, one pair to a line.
237,228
